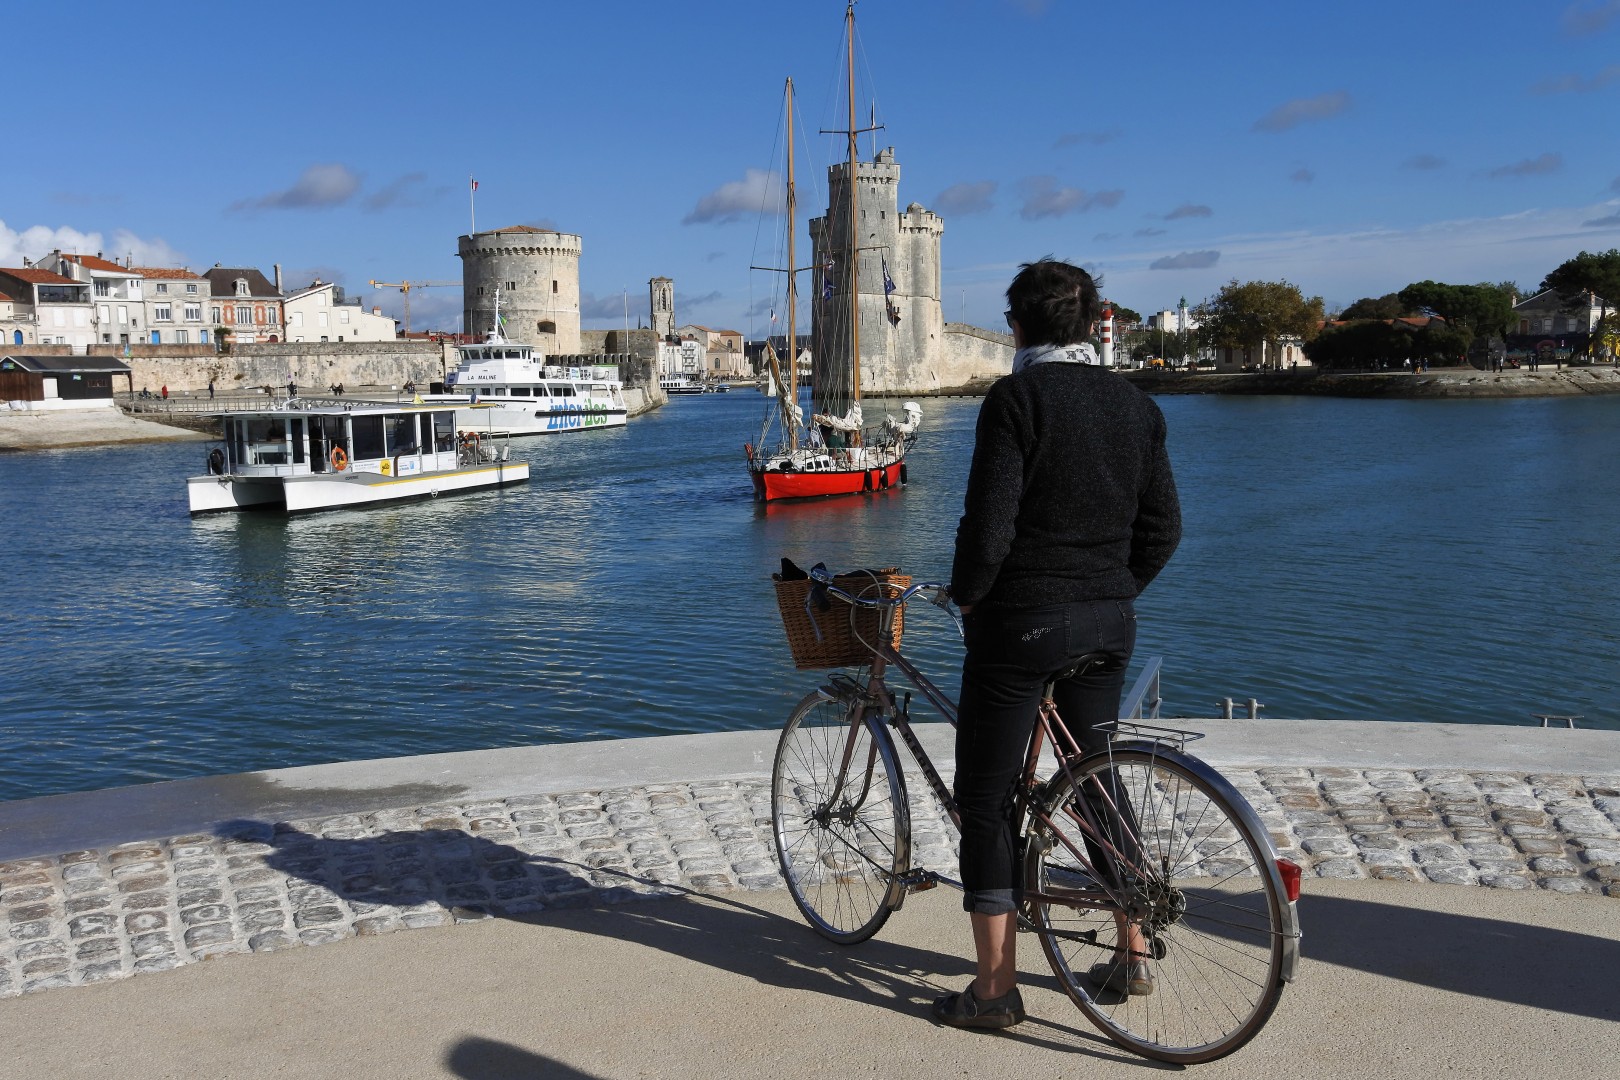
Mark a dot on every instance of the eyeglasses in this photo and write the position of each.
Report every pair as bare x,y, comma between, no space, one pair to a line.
1009,315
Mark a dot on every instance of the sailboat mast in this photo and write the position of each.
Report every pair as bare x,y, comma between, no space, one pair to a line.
854,229
789,411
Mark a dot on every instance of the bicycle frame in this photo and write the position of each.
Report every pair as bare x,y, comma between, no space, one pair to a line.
1049,729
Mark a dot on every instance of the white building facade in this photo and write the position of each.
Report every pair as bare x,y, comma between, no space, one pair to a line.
320,313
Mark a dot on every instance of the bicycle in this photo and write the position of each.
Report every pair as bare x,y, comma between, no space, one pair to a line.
1139,836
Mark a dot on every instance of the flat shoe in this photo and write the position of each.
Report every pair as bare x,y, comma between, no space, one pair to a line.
1134,978
964,1010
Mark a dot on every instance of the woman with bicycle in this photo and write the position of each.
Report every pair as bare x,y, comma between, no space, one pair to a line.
1071,510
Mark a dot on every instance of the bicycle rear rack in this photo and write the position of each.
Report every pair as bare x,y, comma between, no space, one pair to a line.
1135,729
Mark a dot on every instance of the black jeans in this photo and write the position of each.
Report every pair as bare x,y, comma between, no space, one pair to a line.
1011,653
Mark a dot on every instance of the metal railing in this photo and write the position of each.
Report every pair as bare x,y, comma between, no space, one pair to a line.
1143,702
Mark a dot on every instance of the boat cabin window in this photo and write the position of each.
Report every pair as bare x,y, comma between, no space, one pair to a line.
368,437
565,390
298,440
401,432
325,432
261,440
499,391
444,430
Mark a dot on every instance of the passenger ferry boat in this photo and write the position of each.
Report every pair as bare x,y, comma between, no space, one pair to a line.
324,456
680,384
524,395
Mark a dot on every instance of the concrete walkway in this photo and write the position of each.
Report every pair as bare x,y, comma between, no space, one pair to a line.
592,911
1398,980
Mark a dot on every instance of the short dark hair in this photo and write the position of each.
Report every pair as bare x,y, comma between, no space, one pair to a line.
1054,303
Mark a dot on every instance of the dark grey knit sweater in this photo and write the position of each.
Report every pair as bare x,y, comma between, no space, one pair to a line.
1070,495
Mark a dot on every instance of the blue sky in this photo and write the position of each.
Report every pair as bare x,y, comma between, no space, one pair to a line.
1173,146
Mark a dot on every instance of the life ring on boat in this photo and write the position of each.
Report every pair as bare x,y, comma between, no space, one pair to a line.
216,462
340,460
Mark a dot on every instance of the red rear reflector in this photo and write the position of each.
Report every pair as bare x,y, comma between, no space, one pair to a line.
1291,874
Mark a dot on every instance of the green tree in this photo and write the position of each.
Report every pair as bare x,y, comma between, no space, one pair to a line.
1124,316
1387,306
1252,314
1474,311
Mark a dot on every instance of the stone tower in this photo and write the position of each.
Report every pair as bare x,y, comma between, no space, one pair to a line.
661,294
901,327
537,274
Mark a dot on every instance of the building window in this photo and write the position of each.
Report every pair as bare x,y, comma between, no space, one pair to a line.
298,319
101,313
214,315
343,317
320,320
103,289
123,313
182,337
162,287
191,288
193,313
554,288
511,286
241,287
244,314
546,327
163,313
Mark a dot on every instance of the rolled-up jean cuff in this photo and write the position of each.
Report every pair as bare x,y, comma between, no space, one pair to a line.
991,901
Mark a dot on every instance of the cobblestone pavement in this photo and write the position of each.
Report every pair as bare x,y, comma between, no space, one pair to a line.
256,886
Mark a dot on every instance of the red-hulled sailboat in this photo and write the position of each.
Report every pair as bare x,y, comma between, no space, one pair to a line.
834,455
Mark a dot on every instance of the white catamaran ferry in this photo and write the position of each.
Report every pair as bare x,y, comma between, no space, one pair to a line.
326,456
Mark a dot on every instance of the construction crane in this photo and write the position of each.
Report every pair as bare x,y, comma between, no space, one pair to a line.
405,287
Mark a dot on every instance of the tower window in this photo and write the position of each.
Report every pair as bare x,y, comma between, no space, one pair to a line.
546,327
554,287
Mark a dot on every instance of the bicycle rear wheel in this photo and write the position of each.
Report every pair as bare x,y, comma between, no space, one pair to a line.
839,814
1199,878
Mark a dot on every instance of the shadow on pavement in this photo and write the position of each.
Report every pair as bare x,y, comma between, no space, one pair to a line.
474,877
1537,966
489,1059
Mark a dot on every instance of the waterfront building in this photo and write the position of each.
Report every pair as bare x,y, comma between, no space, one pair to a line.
177,303
536,274
320,312
244,303
49,383
14,329
722,351
1549,314
58,308
120,313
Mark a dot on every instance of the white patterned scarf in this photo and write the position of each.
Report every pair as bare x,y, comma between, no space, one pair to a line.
1030,355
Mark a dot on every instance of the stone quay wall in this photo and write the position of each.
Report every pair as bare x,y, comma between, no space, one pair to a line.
312,365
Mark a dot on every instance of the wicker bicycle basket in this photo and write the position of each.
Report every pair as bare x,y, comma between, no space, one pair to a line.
838,635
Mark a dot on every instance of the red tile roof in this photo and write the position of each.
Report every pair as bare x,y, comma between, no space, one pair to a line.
96,262
4,299
34,275
170,272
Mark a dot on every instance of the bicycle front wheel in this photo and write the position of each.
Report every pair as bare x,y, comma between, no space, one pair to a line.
839,813
1175,851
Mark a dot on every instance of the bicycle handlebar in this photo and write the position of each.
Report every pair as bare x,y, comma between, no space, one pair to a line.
941,598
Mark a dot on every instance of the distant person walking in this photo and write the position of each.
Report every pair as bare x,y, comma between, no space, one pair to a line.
165,391
292,388
210,389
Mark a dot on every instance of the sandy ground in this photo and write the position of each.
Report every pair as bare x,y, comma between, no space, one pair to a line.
56,429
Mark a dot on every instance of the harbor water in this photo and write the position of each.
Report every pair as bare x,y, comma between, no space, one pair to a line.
1448,561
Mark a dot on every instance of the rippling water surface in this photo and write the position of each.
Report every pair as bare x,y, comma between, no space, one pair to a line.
1443,561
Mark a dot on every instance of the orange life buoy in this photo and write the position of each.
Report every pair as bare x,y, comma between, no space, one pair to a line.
340,460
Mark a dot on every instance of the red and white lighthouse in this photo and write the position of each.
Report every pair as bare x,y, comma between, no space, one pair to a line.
1107,334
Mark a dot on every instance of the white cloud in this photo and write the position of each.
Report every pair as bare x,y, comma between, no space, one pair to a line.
1187,260
960,200
1291,114
1044,198
320,186
37,241
1538,166
758,191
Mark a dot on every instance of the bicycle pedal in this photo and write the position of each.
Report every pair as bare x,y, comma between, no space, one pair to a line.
919,880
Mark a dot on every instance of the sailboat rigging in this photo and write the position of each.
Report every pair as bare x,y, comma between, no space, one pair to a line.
834,455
